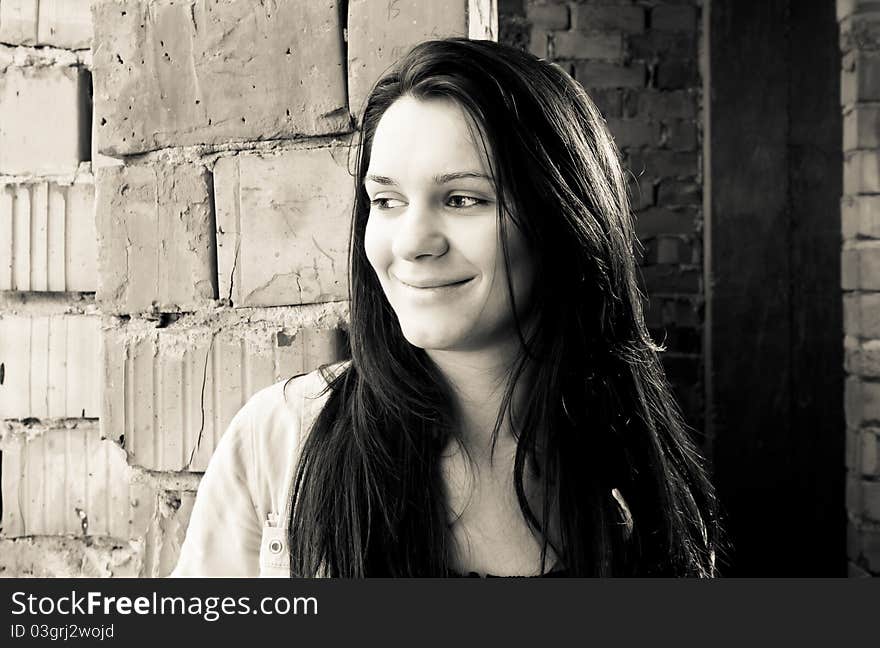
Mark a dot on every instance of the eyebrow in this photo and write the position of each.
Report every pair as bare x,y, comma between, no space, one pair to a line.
438,179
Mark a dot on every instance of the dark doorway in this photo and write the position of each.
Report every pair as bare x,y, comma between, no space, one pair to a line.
775,331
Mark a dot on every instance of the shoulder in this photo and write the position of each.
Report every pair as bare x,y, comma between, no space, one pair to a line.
271,427
280,413
247,480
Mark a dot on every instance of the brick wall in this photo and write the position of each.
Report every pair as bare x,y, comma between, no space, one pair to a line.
174,210
639,61
860,275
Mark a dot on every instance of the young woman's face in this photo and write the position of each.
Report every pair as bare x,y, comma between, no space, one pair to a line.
433,237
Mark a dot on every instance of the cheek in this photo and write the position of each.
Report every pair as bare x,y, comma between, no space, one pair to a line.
376,247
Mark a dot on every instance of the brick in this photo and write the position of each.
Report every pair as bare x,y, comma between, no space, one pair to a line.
166,532
176,74
854,494
50,366
380,33
869,395
665,164
861,31
663,220
594,74
862,401
512,8
283,227
578,45
861,172
48,557
99,160
671,250
674,18
628,20
871,500
851,364
18,22
853,539
634,133
869,541
47,236
849,217
849,7
862,314
674,74
65,23
679,192
862,358
651,104
539,42
514,31
674,312
548,16
641,190
851,314
170,393
861,265
679,135
869,453
155,238
863,212
860,78
663,278
663,45
853,449
849,268
861,128
853,401
683,249
64,481
609,101
45,119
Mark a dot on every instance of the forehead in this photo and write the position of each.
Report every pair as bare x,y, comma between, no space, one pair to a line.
426,136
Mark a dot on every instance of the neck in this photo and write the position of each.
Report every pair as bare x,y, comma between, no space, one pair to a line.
479,380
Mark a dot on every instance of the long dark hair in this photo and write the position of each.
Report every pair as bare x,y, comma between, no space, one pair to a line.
598,414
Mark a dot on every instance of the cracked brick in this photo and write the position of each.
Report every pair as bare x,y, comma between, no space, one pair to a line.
64,480
380,33
155,238
65,557
170,393
283,227
177,74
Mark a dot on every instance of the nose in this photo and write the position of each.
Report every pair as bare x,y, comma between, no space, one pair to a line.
418,234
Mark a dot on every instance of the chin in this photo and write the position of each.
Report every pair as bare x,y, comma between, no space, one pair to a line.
433,339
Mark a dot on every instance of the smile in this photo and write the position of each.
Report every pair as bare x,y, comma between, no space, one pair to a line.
433,285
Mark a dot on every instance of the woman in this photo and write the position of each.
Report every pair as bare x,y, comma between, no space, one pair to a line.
504,411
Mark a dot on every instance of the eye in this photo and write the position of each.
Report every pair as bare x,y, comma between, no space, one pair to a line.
386,203
463,202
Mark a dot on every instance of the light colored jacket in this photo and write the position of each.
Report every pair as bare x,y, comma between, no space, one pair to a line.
241,515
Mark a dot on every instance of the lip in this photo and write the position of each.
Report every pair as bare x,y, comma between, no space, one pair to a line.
432,284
